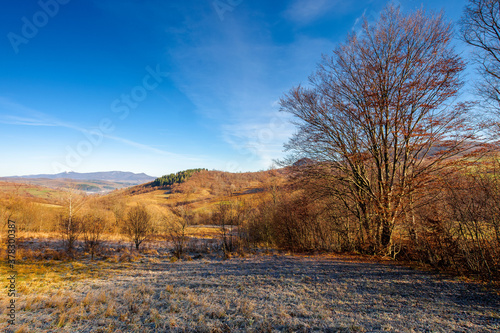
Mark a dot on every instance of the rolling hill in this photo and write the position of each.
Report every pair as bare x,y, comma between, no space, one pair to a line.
95,182
111,176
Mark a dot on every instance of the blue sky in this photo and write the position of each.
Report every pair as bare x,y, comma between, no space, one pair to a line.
159,86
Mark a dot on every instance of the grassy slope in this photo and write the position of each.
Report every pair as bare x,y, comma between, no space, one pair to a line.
201,191
204,190
34,192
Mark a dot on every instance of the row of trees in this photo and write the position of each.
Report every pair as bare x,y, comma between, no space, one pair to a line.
91,225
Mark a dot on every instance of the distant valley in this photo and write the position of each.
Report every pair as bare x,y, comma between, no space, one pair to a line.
94,182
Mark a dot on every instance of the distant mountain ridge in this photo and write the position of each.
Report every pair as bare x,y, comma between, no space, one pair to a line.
112,176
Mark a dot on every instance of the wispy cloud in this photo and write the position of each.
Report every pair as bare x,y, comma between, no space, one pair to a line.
23,121
305,11
25,116
149,148
260,141
12,113
234,77
358,22
371,15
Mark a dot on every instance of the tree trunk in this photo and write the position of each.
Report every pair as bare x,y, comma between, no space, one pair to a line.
385,235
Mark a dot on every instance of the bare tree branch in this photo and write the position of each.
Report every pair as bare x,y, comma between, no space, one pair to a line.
376,118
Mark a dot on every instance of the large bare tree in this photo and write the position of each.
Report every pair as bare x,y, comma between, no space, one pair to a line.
376,119
480,27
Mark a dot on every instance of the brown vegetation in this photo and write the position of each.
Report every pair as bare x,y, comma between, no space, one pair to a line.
377,121
138,225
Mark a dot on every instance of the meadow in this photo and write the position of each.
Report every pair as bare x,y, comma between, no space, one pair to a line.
153,291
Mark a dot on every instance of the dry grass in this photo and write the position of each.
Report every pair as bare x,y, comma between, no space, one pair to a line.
256,294
204,231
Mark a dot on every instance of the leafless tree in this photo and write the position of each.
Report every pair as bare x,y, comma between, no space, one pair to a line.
93,226
230,216
70,222
376,121
480,28
70,228
177,228
138,225
223,217
473,204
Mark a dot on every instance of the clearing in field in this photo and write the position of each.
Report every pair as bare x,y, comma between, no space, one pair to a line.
259,293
